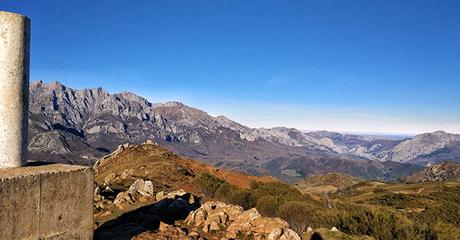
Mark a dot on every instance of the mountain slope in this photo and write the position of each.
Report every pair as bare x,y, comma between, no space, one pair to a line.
424,148
80,126
446,171
134,199
329,183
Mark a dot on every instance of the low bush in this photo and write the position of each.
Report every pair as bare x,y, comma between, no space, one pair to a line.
298,214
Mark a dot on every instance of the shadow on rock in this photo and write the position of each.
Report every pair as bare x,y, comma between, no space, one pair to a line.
316,236
147,218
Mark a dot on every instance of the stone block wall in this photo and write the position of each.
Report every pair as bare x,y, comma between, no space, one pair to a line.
46,202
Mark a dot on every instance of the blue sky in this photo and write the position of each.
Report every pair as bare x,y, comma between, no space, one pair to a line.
371,66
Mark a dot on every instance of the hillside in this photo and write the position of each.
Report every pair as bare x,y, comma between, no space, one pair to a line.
155,163
147,192
140,183
325,184
446,171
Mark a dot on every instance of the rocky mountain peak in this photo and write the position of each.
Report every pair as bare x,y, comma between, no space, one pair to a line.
173,104
82,125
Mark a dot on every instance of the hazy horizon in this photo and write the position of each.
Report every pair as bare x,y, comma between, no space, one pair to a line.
365,66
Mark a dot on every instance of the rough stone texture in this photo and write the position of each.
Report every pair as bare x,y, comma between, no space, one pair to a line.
233,220
19,204
46,202
14,88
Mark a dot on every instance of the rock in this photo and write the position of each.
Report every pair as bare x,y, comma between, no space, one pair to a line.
192,200
289,234
275,234
139,191
106,214
251,220
142,188
218,216
173,195
97,196
126,174
109,178
160,196
107,189
194,234
123,200
282,234
249,215
213,212
163,226
334,229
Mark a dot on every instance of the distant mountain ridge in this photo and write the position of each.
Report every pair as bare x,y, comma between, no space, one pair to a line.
80,126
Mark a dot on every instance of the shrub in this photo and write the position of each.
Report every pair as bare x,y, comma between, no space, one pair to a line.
380,223
445,231
207,184
224,191
242,197
298,214
268,205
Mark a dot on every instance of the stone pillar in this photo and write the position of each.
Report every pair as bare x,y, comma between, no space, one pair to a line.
36,202
14,88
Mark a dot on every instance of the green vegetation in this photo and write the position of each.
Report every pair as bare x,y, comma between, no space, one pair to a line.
379,210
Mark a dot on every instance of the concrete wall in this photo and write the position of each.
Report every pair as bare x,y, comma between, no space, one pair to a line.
46,202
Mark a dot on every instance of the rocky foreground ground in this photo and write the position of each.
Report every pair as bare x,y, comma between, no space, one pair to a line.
135,199
147,192
179,215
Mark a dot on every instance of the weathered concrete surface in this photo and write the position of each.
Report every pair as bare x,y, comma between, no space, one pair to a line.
14,88
46,202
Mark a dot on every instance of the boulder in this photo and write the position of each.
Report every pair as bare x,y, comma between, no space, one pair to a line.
141,188
218,216
282,234
163,226
251,220
213,211
172,195
140,191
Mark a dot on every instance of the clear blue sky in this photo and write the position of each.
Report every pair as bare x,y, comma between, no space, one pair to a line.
372,66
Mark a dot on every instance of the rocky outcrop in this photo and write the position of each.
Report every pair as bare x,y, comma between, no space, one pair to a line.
178,215
139,191
158,219
214,216
234,221
447,171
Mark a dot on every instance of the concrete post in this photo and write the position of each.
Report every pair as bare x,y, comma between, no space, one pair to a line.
14,88
36,202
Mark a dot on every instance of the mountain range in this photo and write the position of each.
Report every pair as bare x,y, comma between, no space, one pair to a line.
81,126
